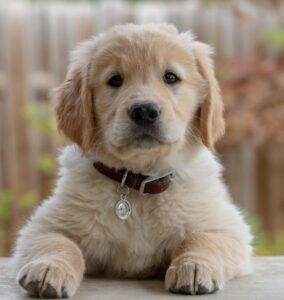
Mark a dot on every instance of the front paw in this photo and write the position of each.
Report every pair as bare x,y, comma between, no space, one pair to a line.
192,278
48,279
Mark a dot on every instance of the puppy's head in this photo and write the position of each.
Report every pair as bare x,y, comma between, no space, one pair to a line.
140,92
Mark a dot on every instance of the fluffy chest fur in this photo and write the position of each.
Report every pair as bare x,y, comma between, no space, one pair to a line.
141,243
83,207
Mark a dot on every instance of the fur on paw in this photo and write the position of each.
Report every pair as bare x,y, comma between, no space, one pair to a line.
192,278
47,279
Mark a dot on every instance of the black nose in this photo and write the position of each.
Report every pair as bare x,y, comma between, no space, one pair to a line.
144,113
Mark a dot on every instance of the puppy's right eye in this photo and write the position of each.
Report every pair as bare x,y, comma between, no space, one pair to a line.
170,78
115,81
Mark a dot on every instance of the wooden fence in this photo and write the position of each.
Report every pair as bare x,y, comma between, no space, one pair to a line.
35,40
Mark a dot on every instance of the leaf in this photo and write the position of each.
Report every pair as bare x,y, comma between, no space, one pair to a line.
273,38
46,164
28,200
5,206
40,117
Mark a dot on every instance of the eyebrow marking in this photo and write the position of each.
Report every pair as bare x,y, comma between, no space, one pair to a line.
179,69
107,72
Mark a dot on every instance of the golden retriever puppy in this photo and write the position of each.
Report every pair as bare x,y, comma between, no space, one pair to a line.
139,193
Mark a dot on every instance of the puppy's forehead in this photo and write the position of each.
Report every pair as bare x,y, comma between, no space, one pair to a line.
141,47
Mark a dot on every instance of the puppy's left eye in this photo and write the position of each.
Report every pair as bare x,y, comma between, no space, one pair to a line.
171,78
115,81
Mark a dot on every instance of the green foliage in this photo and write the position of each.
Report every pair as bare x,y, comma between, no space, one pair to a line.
40,118
46,164
264,243
273,38
28,200
5,207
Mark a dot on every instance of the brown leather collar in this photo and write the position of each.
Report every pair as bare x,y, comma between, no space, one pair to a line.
144,184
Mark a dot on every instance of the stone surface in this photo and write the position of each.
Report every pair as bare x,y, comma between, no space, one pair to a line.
266,282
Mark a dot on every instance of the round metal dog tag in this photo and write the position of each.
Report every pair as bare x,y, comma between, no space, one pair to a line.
123,209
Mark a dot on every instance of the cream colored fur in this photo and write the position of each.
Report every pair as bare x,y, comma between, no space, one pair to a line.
192,233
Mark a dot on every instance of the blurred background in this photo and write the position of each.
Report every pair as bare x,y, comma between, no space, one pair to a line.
35,40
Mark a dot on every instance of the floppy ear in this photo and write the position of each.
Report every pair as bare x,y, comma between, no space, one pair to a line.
74,106
211,121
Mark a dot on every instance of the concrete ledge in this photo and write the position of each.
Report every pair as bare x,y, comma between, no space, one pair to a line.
267,283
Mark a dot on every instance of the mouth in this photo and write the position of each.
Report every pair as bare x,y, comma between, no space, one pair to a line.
141,138
145,141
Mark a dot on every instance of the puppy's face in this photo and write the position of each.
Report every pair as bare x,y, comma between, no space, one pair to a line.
138,92
146,92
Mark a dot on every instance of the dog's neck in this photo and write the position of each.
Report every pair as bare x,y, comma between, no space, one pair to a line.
148,166
144,184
